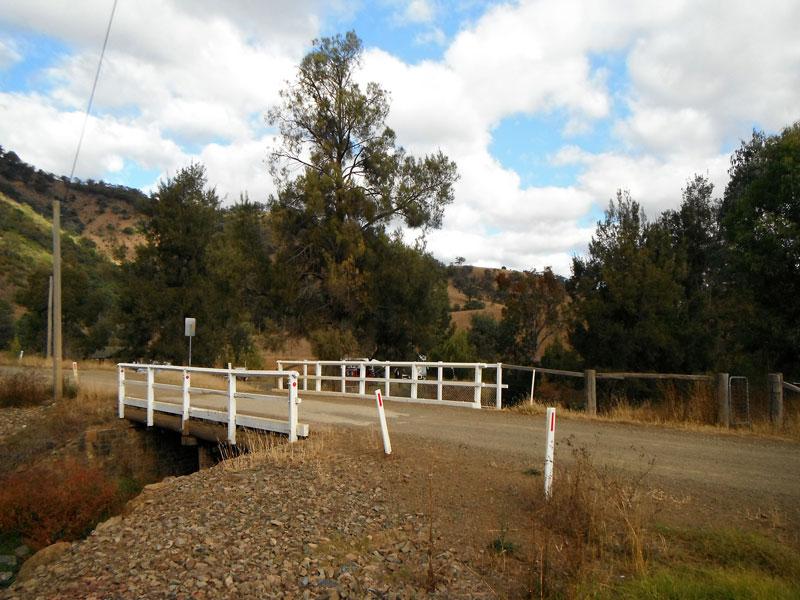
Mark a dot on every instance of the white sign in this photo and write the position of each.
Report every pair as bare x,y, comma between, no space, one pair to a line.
189,326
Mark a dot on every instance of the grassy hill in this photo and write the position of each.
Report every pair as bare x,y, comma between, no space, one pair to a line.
99,221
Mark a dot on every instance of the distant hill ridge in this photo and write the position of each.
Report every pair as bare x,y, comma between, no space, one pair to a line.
95,217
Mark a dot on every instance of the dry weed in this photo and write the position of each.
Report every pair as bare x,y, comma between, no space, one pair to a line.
256,447
596,522
646,414
24,389
59,424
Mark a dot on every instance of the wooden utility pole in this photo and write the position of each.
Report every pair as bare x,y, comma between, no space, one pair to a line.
590,391
49,349
57,379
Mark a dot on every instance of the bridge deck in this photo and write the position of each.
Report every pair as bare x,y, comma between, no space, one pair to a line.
208,415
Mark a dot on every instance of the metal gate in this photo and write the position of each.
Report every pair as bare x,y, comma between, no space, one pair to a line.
739,398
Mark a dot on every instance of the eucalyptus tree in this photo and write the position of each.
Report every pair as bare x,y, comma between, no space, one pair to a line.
343,184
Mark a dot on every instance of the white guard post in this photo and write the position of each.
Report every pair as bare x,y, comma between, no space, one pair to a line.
187,384
293,402
75,371
533,383
548,456
387,444
231,405
121,393
150,395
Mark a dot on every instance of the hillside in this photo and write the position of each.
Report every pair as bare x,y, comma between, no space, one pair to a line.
472,291
96,219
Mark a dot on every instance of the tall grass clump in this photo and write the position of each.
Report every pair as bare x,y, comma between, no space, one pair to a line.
24,389
254,448
595,524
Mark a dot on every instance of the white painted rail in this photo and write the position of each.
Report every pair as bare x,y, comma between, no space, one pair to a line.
369,375
181,404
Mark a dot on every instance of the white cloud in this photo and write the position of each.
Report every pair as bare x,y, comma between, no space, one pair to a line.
656,184
50,135
189,80
9,54
434,35
418,11
239,168
176,76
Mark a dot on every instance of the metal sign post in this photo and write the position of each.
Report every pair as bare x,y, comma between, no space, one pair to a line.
190,326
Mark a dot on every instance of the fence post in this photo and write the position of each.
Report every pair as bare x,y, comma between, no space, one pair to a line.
476,400
305,376
318,374
498,400
533,382
723,400
121,394
776,398
185,418
231,406
590,391
414,376
150,395
292,407
439,378
362,379
344,381
280,379
387,375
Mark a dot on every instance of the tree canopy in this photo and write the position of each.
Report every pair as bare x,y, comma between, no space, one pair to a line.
343,184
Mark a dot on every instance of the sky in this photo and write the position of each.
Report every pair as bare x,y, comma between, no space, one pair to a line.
547,106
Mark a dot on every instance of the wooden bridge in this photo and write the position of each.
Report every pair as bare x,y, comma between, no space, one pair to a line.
211,410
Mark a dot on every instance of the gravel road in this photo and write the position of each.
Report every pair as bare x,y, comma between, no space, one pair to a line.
731,462
736,463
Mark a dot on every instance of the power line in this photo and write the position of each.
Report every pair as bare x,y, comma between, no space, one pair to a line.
57,341
94,87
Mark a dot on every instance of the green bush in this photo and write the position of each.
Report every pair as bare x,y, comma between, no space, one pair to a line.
474,304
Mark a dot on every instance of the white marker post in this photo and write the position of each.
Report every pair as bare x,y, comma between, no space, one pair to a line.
75,371
387,444
548,455
121,393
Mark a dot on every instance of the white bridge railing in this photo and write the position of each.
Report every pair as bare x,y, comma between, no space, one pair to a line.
182,405
364,376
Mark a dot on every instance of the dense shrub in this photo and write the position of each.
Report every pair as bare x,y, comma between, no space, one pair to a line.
24,389
59,501
474,304
29,389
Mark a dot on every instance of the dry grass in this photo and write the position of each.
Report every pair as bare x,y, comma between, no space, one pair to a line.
24,389
59,424
696,411
255,448
595,527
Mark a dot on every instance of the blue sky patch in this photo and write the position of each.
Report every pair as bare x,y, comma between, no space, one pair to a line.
39,52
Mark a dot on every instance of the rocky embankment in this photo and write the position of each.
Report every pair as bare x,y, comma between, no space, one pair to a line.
313,525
